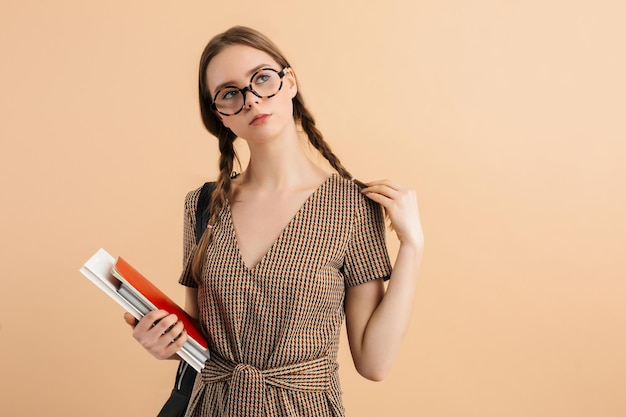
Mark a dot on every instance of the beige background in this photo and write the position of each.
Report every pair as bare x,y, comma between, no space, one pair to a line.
507,117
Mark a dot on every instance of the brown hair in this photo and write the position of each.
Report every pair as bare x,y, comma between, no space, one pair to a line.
240,35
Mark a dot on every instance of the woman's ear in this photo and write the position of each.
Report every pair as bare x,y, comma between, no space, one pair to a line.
292,84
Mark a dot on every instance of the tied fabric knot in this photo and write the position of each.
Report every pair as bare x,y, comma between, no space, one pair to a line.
247,384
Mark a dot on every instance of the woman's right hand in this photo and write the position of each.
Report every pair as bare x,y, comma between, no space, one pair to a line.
159,332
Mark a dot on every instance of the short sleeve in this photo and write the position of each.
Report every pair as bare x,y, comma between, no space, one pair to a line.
189,238
366,256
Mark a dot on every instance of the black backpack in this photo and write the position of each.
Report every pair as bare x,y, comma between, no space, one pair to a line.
176,404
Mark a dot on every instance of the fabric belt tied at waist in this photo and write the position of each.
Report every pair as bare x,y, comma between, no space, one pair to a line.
247,384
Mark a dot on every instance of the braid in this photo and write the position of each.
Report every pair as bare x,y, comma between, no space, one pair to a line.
218,199
315,137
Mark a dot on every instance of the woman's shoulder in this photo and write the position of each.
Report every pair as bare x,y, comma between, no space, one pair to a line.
347,193
347,186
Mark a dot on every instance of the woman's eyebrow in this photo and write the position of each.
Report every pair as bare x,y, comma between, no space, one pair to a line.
249,74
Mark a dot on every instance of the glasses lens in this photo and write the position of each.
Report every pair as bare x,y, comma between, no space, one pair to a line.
265,83
229,100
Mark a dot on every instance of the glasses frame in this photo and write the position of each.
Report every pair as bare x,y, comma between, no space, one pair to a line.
243,91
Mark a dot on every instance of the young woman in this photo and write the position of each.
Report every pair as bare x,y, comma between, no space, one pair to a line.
290,250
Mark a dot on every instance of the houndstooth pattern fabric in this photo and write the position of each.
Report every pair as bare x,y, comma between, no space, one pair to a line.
274,329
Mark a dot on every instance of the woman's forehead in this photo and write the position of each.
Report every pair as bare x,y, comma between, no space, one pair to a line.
235,62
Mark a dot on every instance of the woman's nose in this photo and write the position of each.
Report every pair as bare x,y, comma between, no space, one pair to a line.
249,98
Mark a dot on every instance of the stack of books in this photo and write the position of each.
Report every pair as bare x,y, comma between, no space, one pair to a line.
137,295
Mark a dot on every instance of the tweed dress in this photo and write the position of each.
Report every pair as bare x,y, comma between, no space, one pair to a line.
273,329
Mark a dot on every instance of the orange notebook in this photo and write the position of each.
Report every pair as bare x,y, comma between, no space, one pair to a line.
129,275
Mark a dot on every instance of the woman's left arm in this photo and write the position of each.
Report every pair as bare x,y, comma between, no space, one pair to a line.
376,320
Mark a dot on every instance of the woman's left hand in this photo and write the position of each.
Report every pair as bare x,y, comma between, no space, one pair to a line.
400,203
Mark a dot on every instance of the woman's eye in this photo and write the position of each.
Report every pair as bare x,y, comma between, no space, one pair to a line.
229,95
262,78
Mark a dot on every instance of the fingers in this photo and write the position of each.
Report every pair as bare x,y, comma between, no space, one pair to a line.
160,333
385,192
130,319
379,198
385,183
385,188
153,319
400,204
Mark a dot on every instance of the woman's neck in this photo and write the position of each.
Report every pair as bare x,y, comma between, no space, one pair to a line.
281,165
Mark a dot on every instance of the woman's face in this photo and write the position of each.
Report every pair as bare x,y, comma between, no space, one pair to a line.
260,118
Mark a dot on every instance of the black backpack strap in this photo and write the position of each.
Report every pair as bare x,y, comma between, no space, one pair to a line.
176,405
202,209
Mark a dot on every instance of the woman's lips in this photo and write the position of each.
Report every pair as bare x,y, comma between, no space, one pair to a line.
259,119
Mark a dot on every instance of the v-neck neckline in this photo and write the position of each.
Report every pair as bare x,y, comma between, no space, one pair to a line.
288,225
